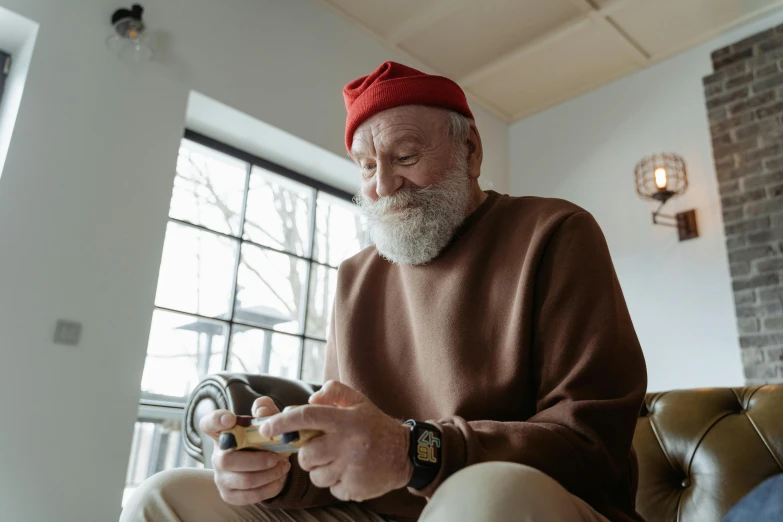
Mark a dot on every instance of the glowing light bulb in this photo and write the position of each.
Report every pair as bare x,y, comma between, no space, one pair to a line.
660,178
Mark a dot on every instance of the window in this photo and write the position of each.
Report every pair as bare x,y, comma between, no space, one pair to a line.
156,446
247,279
5,68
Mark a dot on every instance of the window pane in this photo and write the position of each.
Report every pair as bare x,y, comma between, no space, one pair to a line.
269,289
208,189
197,271
263,352
278,212
313,361
323,285
340,230
156,446
182,349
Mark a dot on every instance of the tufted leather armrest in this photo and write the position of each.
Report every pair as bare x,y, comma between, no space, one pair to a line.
234,392
700,451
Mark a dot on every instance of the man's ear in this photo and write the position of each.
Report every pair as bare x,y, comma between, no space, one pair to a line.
475,151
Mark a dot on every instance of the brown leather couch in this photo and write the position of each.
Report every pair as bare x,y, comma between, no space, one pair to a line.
699,451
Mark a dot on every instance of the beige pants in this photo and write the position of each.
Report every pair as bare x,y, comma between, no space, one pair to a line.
494,491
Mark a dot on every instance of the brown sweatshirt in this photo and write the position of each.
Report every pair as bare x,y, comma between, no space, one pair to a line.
515,341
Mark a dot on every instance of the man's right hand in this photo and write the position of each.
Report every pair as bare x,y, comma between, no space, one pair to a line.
245,477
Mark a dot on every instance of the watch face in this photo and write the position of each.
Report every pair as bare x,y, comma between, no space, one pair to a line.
427,447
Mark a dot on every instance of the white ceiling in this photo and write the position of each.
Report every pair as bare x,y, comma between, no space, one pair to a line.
518,57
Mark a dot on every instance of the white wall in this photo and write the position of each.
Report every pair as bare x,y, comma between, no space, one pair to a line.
585,150
83,200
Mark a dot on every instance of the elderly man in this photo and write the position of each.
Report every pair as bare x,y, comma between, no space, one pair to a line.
496,323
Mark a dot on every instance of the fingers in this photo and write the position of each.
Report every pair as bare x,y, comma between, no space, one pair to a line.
244,497
233,480
248,477
325,476
321,418
335,393
317,452
242,461
340,492
213,423
264,407
221,420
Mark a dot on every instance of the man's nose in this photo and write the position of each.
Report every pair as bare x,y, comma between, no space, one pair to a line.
387,182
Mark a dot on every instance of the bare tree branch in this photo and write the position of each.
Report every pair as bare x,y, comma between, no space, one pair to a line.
203,179
277,295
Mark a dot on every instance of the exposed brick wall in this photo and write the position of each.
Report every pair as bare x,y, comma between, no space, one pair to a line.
745,106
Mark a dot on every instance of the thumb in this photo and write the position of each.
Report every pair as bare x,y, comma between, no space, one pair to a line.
217,421
335,393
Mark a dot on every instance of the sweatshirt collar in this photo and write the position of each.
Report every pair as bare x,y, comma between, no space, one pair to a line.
477,214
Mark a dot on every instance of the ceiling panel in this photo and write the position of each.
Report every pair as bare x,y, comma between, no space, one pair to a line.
584,58
522,56
383,17
468,38
664,26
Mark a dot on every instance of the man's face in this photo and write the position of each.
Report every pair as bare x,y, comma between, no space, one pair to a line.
416,182
405,146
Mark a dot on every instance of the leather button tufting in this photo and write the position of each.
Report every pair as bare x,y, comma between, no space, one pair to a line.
704,448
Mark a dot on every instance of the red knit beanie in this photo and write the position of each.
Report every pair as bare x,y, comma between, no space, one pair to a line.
393,84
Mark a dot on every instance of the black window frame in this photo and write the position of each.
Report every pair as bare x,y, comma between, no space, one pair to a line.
5,69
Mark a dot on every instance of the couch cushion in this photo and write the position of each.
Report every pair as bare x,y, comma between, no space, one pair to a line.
700,451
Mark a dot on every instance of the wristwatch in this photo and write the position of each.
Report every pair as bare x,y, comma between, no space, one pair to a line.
424,452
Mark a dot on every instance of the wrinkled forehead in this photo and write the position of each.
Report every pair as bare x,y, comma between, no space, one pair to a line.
409,124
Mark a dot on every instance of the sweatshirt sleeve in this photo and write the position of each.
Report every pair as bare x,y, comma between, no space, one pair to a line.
589,375
299,492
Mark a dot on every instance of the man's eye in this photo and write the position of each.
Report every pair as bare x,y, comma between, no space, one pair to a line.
368,167
406,158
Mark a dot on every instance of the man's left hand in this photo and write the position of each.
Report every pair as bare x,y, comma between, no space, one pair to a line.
362,454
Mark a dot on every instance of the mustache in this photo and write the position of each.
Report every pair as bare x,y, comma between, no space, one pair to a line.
402,200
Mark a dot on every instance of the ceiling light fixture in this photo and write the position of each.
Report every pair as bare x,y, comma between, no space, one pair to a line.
129,38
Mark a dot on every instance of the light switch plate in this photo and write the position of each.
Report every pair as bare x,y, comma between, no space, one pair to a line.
67,332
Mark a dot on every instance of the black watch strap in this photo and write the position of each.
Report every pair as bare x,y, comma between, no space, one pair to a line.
424,452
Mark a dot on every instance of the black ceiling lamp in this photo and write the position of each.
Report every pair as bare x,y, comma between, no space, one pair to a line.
129,37
661,177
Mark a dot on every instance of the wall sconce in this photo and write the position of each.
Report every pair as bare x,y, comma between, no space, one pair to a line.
661,177
129,38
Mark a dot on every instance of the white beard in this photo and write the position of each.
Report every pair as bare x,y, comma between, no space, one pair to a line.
431,216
